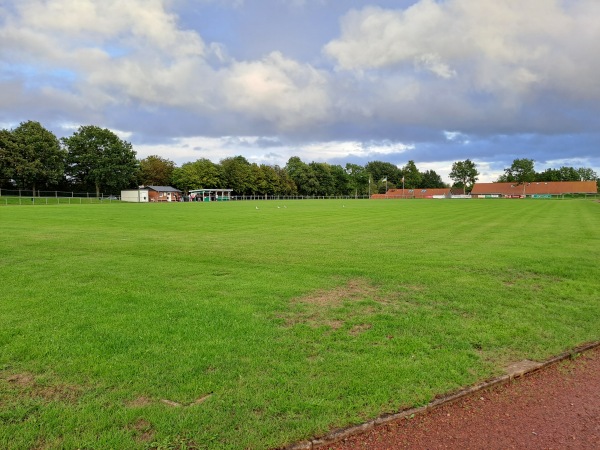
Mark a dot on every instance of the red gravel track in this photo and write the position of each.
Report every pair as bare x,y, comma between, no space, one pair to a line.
557,407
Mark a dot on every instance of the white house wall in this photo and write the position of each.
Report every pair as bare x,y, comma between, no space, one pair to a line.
136,196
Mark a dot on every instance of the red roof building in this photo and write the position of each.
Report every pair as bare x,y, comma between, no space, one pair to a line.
534,188
413,193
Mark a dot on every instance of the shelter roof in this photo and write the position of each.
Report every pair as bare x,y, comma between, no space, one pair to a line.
210,190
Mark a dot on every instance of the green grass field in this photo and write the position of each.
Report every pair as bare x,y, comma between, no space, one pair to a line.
225,326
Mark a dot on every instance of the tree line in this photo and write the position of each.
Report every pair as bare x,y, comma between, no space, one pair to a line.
96,159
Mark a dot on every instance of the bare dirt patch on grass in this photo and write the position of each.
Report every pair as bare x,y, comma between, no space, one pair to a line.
356,289
21,379
333,308
142,430
361,328
348,306
27,384
139,402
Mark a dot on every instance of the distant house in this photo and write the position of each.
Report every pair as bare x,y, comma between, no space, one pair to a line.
147,194
413,193
533,189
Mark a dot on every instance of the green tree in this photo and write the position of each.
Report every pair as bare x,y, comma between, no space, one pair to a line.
269,180
358,179
186,177
156,171
98,157
411,175
521,171
325,179
431,180
259,183
202,173
303,176
341,180
8,153
464,174
285,184
35,156
380,170
548,175
237,175
569,174
586,174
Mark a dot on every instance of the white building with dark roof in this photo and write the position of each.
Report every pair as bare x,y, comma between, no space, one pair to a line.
146,194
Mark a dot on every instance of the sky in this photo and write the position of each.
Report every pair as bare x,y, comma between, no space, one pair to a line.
337,81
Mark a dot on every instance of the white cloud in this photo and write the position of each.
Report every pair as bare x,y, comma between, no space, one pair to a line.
484,68
120,51
252,148
487,171
134,52
279,90
508,47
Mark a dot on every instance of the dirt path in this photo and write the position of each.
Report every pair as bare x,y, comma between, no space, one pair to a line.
557,407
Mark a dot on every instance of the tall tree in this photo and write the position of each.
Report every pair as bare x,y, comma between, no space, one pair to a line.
521,171
569,174
464,173
380,170
156,171
269,180
586,174
202,173
259,183
37,157
341,180
548,175
8,153
431,180
186,177
285,184
411,175
358,179
325,178
237,175
303,176
98,157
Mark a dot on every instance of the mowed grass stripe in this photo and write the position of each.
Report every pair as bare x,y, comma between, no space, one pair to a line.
226,326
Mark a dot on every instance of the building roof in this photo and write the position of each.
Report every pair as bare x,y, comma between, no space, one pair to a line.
162,188
536,187
210,190
412,193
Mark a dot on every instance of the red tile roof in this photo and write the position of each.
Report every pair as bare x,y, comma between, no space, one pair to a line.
536,187
412,193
